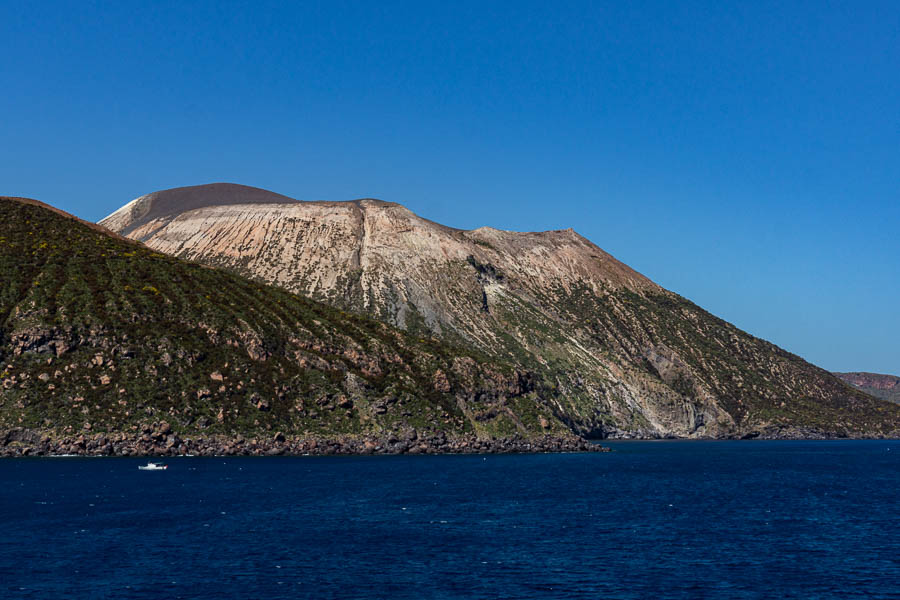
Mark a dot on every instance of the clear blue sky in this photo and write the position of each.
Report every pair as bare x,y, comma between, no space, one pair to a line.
743,154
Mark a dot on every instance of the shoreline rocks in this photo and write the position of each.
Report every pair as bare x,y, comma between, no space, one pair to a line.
162,442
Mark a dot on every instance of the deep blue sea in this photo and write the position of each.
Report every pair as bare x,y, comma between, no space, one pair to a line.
752,519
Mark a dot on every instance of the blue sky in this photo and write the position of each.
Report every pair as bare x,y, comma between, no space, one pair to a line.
743,154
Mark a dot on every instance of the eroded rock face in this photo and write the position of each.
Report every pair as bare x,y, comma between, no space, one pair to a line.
629,358
367,254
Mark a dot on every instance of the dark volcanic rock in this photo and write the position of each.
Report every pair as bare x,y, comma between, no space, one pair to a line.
23,442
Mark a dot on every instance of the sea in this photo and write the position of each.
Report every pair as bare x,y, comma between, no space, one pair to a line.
660,519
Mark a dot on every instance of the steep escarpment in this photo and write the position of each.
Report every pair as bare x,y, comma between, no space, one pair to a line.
101,336
621,355
886,387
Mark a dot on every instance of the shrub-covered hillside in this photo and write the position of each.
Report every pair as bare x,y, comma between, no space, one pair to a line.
100,334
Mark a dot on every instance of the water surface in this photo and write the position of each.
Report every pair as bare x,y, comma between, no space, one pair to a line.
651,520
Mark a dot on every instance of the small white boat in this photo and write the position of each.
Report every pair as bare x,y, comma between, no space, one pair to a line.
152,466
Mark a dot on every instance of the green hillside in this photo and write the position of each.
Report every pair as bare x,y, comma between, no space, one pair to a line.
102,335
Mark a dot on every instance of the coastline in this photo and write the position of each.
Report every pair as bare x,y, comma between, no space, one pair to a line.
163,442
772,432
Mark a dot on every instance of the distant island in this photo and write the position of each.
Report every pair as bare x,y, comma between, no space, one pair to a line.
223,319
886,387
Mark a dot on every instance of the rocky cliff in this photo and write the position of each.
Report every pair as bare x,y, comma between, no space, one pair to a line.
109,346
621,355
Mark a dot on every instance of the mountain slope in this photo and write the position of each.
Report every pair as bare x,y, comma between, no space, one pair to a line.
623,355
100,334
886,387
